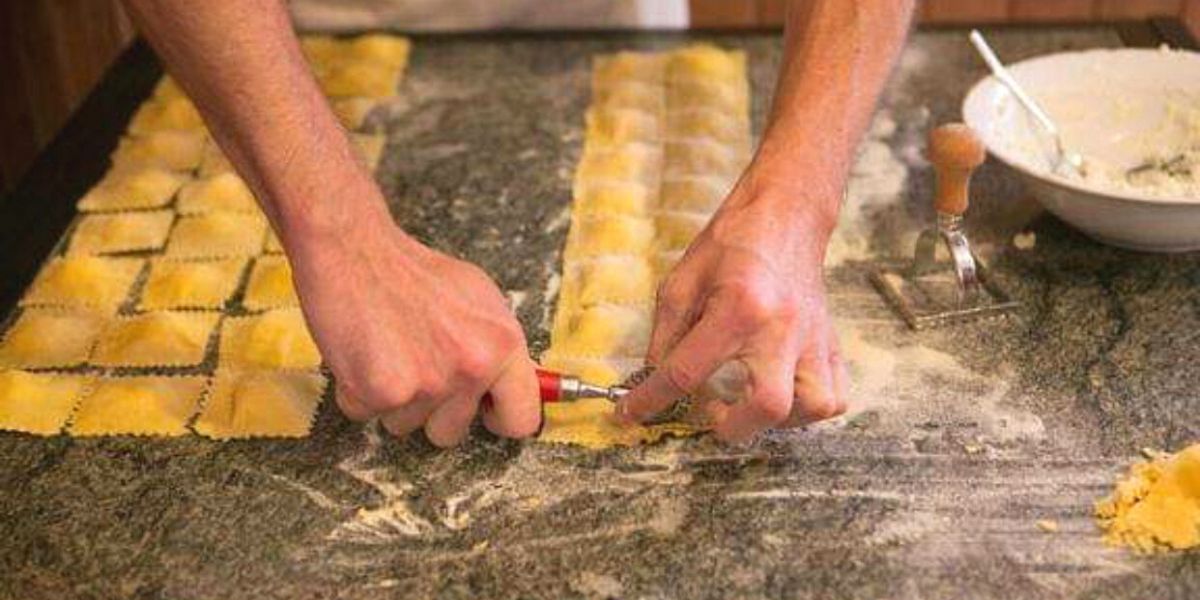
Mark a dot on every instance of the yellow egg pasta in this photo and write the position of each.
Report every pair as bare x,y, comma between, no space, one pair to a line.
245,404
217,234
221,192
121,232
276,339
214,162
154,339
352,112
270,284
39,403
369,147
171,114
42,338
132,189
174,150
84,281
201,284
138,406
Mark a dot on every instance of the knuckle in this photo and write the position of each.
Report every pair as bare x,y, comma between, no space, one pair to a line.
774,403
475,365
672,296
381,389
682,375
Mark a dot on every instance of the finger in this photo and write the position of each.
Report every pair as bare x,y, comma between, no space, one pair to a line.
450,422
691,362
814,386
408,418
767,403
841,379
673,314
351,406
516,409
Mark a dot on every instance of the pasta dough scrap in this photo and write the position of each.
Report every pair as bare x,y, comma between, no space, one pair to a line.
270,284
191,284
221,192
84,281
276,339
38,403
174,150
612,198
244,404
50,338
121,232
138,406
134,188
217,234
161,338
158,114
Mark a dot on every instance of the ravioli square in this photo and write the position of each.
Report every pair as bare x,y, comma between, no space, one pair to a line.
616,279
50,338
214,161
352,112
627,162
138,406
371,80
38,403
132,189
245,404
222,192
217,234
612,198
84,281
275,339
167,113
156,339
270,284
612,126
384,49
694,194
174,150
675,231
121,232
611,234
606,330
369,147
191,284
706,62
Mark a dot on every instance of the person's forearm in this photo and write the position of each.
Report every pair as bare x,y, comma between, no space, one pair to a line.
837,57
241,64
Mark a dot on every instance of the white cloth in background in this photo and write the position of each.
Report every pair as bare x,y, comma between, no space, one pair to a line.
467,15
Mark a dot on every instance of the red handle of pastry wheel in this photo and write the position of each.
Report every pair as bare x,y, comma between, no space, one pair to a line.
549,388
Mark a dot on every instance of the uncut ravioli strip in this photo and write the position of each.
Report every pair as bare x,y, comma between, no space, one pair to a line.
42,338
243,404
138,406
39,403
667,135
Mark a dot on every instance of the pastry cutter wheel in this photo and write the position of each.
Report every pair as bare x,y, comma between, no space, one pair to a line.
932,291
558,387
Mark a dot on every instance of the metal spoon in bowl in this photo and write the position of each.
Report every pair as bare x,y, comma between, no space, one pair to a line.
1064,159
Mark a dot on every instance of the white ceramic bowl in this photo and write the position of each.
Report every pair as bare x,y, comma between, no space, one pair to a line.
1118,106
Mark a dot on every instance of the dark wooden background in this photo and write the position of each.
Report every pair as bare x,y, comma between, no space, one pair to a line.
54,51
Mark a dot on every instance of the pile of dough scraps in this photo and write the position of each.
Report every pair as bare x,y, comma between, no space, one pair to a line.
1156,508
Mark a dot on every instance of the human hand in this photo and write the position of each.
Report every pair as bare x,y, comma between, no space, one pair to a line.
748,290
415,337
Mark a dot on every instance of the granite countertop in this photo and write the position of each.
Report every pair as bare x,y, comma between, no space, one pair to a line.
958,440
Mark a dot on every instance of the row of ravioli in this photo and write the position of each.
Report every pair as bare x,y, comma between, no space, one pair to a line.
667,136
170,304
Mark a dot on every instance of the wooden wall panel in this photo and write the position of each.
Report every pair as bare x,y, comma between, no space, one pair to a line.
53,51
963,11
1051,10
1137,9
724,13
1191,17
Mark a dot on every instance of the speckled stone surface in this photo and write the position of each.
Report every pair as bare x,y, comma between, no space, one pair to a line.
958,442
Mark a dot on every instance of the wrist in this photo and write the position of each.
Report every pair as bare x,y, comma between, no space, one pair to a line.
798,191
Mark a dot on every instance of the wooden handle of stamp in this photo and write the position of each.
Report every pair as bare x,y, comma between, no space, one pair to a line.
955,152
